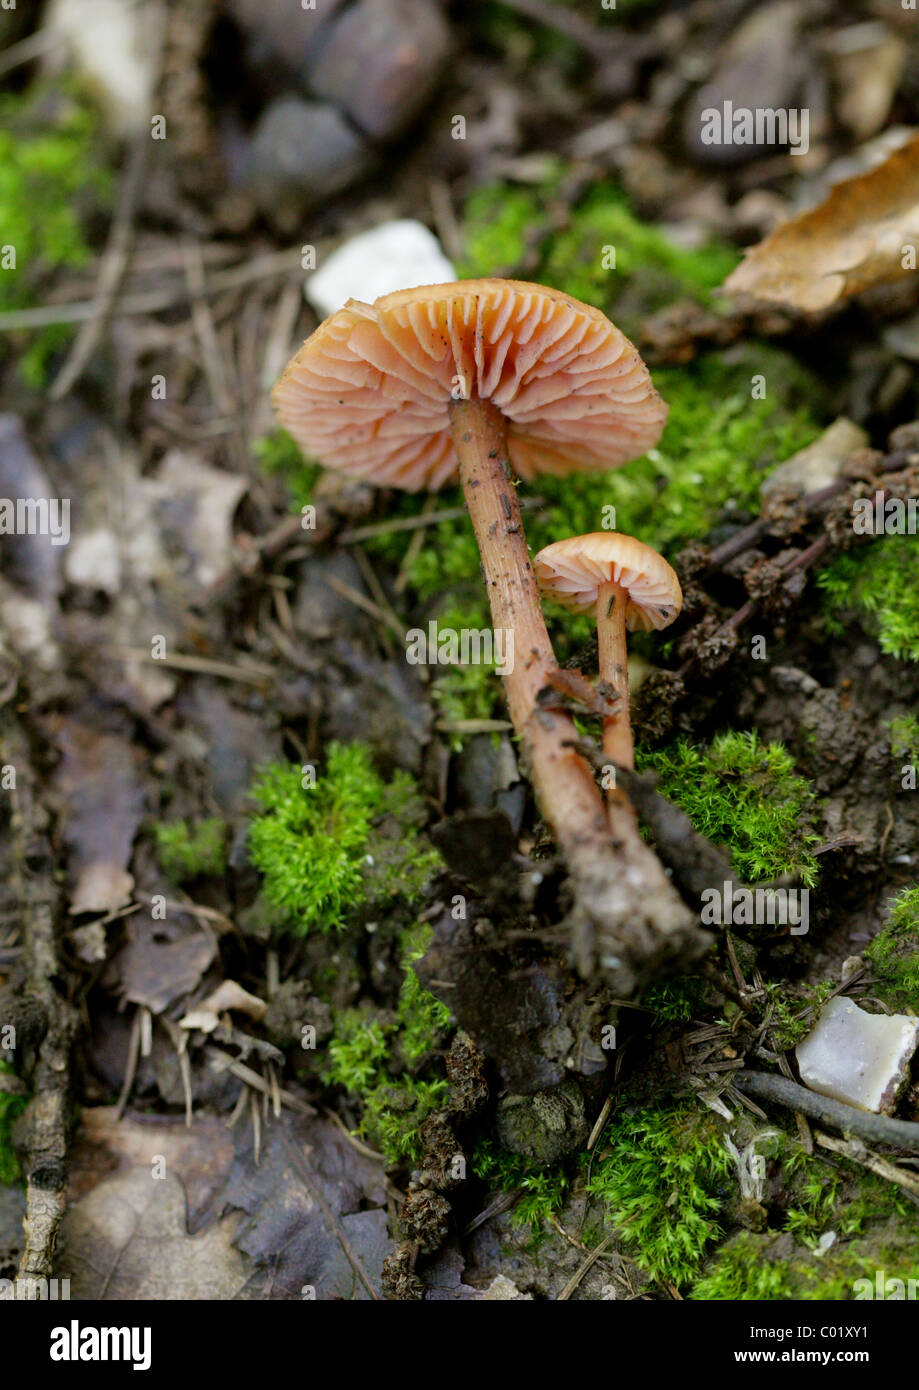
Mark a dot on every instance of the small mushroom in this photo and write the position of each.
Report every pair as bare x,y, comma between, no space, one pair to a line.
485,379
629,586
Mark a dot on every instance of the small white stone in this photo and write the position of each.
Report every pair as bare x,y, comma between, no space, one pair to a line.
393,256
93,561
111,42
819,464
857,1057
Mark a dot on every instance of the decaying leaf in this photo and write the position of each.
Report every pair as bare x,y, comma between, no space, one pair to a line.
864,233
138,1187
102,798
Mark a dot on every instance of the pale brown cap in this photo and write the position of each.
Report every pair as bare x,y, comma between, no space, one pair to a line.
369,392
571,572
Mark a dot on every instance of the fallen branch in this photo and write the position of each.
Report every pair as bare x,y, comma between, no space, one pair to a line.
51,1022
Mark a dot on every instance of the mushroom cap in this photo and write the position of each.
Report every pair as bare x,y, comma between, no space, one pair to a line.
571,571
369,392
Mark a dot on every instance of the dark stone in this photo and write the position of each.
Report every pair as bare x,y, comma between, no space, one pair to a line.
279,37
301,152
381,62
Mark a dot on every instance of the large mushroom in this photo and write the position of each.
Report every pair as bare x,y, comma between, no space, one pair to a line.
629,587
487,379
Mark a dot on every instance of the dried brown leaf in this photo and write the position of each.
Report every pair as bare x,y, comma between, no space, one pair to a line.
856,238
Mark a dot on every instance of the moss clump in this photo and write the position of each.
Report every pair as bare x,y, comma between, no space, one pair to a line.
51,178
663,1176
466,692
866,1213
11,1107
281,458
747,795
604,222
327,847
761,1267
904,737
878,583
677,1000
542,1190
421,1017
188,851
366,1053
793,1012
894,952
579,259
740,1270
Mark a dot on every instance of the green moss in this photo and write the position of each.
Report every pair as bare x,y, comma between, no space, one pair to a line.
814,1197
281,458
740,1270
187,851
394,1112
496,220
603,224
466,692
744,794
878,583
904,737
51,178
422,1018
676,1000
11,1107
356,1052
327,849
663,1176
601,248
542,1190
894,952
758,1267
365,1050
793,1011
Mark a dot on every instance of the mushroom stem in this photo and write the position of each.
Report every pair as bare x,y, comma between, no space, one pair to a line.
562,780
612,602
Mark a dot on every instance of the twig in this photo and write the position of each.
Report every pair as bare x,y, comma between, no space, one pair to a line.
588,1264
117,253
265,267
856,1151
253,673
876,1129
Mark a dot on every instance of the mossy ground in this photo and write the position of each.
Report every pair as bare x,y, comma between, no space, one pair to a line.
746,795
722,435
53,179
187,851
876,583
336,848
320,839
374,1059
661,1178
894,952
